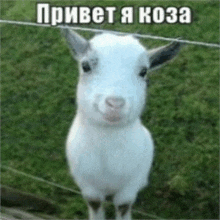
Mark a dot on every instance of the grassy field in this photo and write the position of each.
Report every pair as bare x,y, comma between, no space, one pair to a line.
39,81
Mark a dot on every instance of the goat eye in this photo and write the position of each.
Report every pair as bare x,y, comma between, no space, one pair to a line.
85,66
143,72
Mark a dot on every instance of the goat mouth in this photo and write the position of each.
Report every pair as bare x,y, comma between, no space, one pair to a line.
112,118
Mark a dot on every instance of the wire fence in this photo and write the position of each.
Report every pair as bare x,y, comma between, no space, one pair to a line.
65,188
95,30
39,179
113,32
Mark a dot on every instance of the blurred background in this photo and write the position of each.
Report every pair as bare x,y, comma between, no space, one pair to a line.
39,79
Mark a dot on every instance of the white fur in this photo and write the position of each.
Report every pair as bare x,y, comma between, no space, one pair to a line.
109,151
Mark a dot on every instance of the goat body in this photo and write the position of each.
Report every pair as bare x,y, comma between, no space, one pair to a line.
109,151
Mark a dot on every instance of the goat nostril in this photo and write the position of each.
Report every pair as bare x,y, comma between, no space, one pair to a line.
115,102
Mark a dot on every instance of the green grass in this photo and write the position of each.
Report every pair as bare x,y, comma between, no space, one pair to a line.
39,81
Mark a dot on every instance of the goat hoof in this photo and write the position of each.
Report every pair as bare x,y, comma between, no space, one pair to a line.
95,205
123,209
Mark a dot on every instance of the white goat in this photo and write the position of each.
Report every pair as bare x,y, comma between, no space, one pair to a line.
109,151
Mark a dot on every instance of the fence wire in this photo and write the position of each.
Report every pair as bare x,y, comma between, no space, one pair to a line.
113,32
39,179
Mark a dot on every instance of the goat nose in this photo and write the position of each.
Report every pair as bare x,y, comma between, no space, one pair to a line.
115,102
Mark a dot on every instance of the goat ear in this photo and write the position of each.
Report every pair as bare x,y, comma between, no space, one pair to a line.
77,44
161,55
